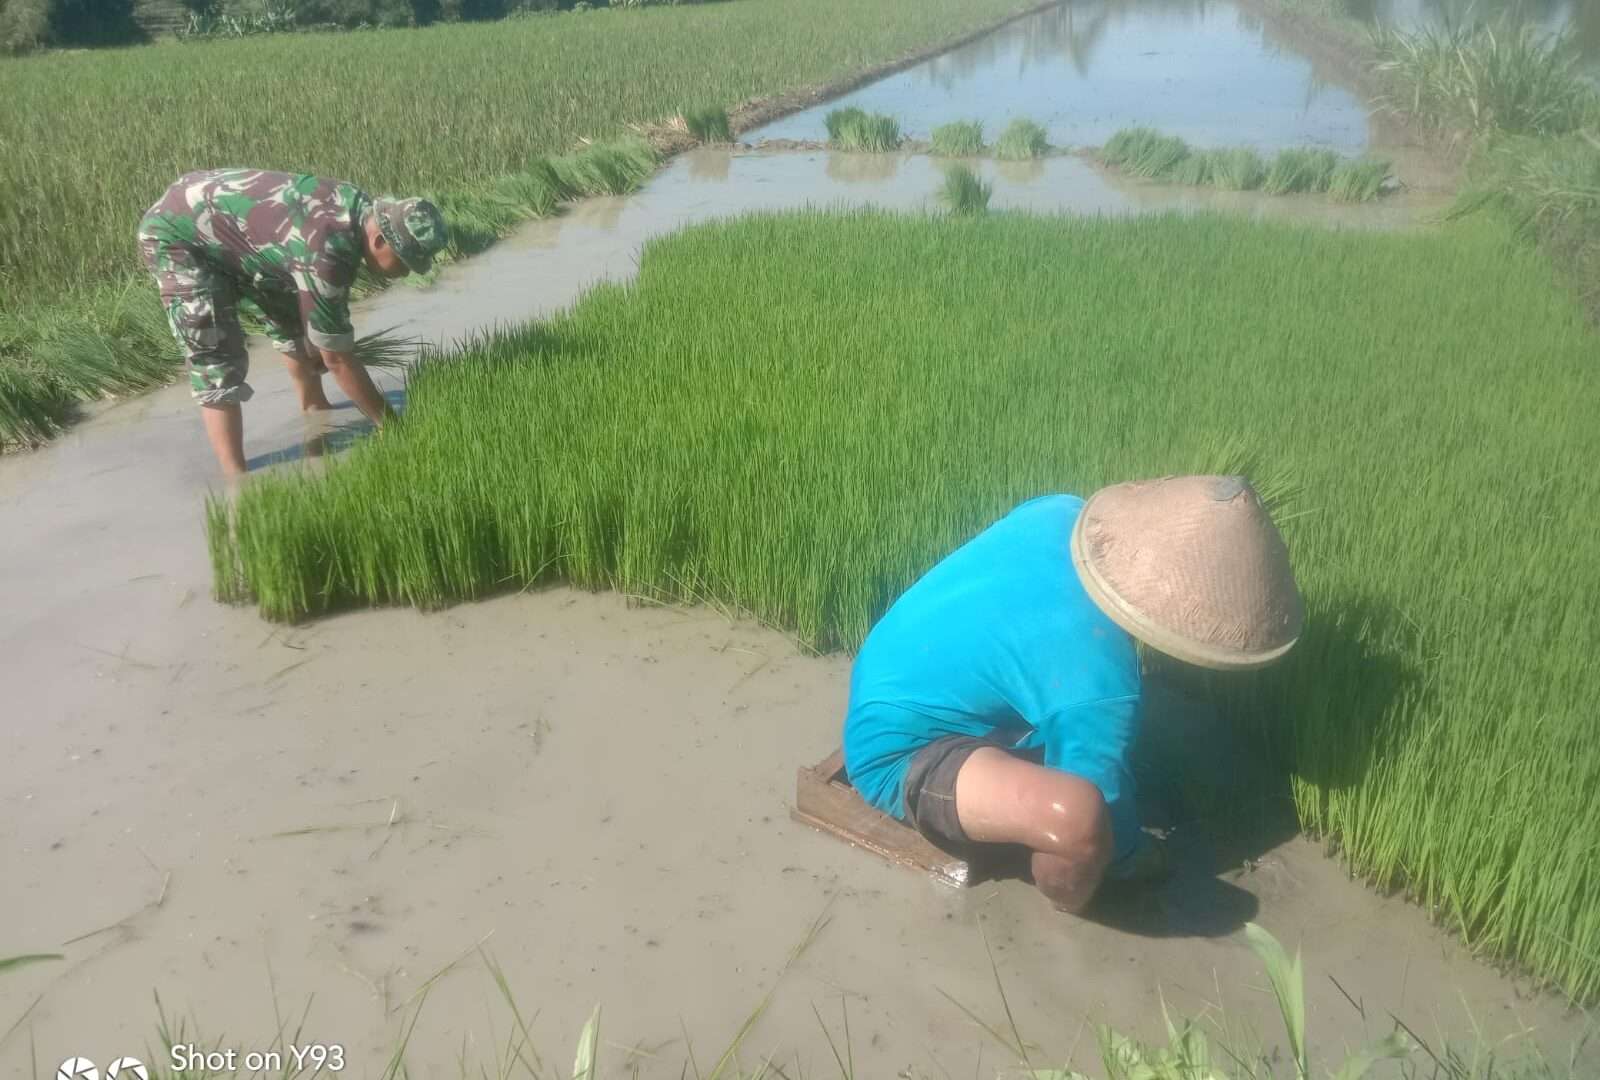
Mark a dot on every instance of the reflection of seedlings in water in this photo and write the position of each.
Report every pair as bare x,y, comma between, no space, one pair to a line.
863,168
1020,172
710,165
963,192
598,213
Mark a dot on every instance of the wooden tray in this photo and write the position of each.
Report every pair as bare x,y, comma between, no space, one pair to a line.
825,800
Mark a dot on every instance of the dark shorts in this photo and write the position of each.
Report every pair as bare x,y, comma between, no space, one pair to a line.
930,788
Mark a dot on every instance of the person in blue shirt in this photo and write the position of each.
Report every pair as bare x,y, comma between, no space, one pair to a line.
997,700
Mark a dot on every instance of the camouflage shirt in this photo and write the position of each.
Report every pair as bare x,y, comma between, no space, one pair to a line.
291,243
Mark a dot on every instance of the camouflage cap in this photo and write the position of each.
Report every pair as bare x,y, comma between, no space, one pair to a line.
414,228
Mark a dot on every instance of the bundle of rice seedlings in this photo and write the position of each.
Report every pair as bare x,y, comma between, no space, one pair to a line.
964,192
1126,145
963,138
853,129
1159,157
1022,139
387,349
1238,169
1197,169
708,124
1359,179
611,168
1300,170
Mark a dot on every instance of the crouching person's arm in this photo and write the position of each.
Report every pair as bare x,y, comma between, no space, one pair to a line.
1061,818
357,385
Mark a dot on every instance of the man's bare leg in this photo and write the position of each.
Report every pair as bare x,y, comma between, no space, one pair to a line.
225,428
308,383
1061,818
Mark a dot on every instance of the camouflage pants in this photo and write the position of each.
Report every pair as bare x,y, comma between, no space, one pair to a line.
202,307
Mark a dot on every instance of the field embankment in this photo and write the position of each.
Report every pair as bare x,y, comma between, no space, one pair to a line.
88,140
797,415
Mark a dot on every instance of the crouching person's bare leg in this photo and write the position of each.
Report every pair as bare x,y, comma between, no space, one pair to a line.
1061,818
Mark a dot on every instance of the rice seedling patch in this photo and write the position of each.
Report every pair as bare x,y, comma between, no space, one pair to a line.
795,415
1358,179
963,192
708,124
853,129
962,138
1296,171
1021,140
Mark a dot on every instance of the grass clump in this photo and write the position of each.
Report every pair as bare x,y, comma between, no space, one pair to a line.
1198,169
1021,140
1237,169
963,138
855,129
709,124
1485,77
964,192
1434,719
1145,152
1358,179
1297,171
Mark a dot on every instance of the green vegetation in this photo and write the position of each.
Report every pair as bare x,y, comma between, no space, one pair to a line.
1294,171
1358,179
1021,140
1154,156
455,111
116,340
963,138
1237,169
689,437
1215,1047
708,124
853,129
1482,77
1144,152
963,192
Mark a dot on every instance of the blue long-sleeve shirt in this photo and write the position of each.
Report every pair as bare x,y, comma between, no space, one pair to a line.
1000,637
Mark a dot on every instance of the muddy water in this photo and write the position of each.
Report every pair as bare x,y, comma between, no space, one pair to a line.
550,263
196,803
1196,68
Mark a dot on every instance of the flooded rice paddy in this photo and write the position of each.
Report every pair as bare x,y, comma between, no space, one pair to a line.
229,812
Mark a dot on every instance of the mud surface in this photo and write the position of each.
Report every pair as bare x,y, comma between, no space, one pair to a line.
234,814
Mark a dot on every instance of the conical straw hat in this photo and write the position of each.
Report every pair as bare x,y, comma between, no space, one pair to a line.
1191,566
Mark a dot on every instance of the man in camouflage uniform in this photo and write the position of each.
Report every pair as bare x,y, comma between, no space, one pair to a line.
286,247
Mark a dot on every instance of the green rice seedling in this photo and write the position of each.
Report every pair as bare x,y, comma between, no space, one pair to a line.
708,124
839,122
963,138
1197,170
853,129
1439,696
1021,140
613,168
1486,77
1144,152
1237,169
964,192
1159,158
1300,170
448,110
1359,179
